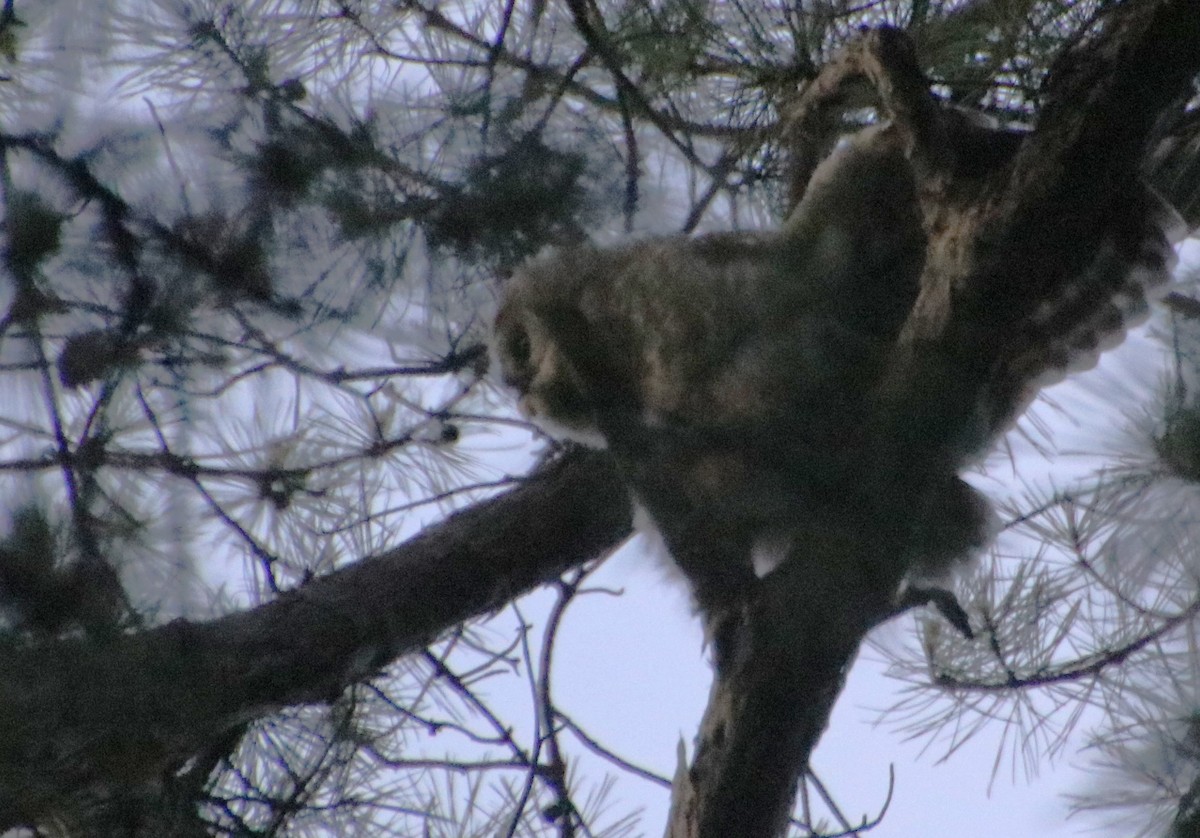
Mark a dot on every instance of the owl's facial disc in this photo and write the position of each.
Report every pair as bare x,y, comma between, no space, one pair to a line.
547,390
513,348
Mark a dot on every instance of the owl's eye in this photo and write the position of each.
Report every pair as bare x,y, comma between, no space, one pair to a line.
519,348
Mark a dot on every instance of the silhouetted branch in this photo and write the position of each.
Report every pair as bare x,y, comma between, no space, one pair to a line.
78,718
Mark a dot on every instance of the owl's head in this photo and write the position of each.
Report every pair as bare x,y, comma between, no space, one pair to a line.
549,389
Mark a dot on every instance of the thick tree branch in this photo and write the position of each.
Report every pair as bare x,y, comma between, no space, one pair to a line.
771,702
81,720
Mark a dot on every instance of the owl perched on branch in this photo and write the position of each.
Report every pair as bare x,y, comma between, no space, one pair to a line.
744,381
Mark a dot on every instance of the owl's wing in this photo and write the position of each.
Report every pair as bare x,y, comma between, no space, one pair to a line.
1011,298
1132,266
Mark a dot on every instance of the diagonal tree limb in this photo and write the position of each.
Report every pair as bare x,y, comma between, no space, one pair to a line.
85,721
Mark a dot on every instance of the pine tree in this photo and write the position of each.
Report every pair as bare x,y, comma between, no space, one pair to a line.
270,520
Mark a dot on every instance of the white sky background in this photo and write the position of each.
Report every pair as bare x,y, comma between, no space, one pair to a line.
630,670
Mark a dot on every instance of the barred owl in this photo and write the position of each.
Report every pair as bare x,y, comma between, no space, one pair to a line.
732,375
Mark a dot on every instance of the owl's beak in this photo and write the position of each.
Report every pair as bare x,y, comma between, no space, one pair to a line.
525,404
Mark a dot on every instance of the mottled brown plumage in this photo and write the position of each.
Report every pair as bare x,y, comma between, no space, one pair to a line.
736,376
